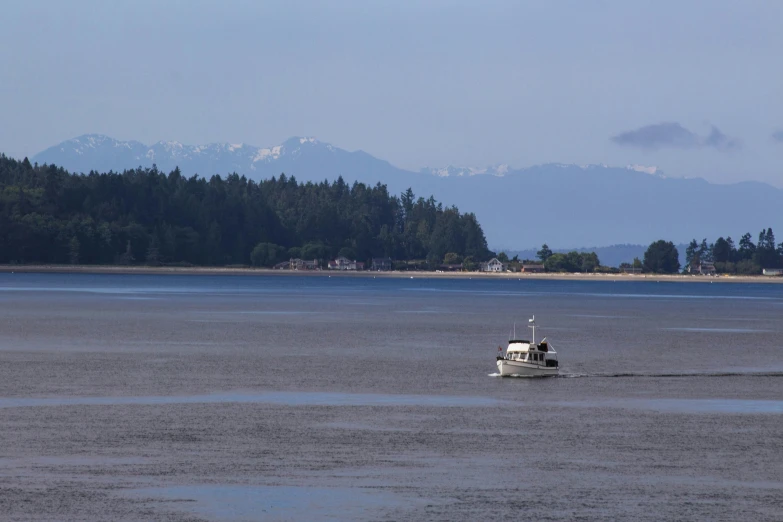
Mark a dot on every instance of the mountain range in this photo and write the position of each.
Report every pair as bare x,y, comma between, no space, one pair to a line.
563,205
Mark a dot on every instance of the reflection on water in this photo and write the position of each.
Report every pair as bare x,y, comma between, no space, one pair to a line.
735,406
277,398
240,502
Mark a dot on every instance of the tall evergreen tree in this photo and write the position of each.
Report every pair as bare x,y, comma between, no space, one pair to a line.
544,254
691,251
746,247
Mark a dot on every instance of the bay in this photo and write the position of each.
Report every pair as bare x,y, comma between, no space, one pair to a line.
131,397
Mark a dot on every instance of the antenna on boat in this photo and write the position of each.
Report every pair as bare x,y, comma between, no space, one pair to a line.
515,330
533,326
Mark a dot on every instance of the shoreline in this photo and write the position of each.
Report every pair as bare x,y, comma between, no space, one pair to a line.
163,270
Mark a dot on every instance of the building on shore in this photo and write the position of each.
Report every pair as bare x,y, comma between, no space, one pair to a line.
343,263
701,268
302,264
493,265
772,271
381,264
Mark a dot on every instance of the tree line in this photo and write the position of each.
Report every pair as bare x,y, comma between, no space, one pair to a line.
144,216
745,258
557,262
662,257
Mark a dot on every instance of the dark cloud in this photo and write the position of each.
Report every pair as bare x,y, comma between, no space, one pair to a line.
778,135
674,135
720,141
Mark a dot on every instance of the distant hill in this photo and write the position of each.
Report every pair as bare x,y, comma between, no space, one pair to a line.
558,204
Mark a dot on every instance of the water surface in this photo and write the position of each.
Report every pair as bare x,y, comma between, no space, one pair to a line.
175,397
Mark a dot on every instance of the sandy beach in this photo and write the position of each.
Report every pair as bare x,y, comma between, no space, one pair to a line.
112,269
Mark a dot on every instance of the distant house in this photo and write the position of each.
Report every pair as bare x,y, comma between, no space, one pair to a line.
301,264
285,265
701,268
381,264
630,270
532,268
772,271
343,263
493,265
450,268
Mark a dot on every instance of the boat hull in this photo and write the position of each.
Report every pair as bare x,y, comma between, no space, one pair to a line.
507,368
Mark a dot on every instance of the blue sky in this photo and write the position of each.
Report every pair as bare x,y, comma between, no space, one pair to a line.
692,87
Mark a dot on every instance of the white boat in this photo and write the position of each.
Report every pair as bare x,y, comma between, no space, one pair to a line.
528,358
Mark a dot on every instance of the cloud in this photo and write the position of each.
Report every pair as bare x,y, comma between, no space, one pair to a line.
778,135
674,135
720,141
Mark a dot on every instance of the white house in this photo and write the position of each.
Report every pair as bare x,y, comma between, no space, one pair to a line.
343,263
493,265
772,271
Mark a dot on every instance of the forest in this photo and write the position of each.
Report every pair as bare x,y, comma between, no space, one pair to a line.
144,216
746,258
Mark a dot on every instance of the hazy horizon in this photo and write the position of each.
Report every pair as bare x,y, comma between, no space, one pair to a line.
689,88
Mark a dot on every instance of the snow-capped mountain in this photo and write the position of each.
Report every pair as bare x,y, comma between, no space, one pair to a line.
102,153
563,205
452,171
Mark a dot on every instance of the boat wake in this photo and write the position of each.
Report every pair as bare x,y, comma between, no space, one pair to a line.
519,376
672,374
645,375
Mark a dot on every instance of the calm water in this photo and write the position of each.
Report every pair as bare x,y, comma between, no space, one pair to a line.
306,398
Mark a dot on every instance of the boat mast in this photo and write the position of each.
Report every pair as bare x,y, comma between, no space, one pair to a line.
533,326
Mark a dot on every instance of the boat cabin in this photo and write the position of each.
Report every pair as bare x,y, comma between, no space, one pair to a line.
525,351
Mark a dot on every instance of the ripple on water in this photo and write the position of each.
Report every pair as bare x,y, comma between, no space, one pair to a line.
717,330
